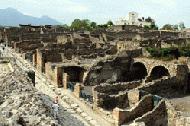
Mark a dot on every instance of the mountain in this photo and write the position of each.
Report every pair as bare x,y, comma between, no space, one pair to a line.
12,17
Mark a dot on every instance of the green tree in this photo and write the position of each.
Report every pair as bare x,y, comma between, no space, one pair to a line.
76,24
181,25
167,27
154,27
151,27
109,23
146,27
93,24
175,27
84,24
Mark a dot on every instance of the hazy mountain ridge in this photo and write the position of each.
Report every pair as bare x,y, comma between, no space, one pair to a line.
12,17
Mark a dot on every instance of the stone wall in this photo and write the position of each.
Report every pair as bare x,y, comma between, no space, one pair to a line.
62,39
43,57
176,118
58,76
151,63
172,114
125,116
109,96
160,85
39,61
50,71
109,102
144,105
156,117
115,88
107,70
133,97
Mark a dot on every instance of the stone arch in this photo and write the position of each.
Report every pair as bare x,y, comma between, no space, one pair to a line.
137,71
158,72
75,73
140,70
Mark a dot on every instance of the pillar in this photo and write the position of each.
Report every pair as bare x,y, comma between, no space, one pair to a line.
58,76
133,97
65,80
119,116
34,59
77,90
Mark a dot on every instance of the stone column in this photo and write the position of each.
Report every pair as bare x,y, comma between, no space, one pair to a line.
133,97
97,101
58,76
77,90
23,55
65,81
34,59
84,76
119,116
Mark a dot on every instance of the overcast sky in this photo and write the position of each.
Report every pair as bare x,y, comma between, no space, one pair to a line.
65,11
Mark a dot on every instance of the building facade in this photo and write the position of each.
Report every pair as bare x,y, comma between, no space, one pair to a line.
133,19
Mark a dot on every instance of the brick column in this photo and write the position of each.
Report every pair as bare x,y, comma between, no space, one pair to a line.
65,81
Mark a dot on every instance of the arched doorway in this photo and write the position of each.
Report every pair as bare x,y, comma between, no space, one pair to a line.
75,73
138,71
158,72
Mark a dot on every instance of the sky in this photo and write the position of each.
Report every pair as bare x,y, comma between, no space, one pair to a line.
100,11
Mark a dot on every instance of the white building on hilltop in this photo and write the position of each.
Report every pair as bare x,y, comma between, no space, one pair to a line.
134,20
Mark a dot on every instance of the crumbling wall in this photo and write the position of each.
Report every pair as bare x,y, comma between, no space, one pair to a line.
50,71
144,105
176,118
109,102
107,71
133,97
62,39
115,88
125,116
172,114
39,61
156,117
161,85
109,96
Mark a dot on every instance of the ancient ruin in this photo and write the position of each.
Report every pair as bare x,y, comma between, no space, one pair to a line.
124,75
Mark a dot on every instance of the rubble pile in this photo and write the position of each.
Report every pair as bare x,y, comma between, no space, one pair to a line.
20,103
